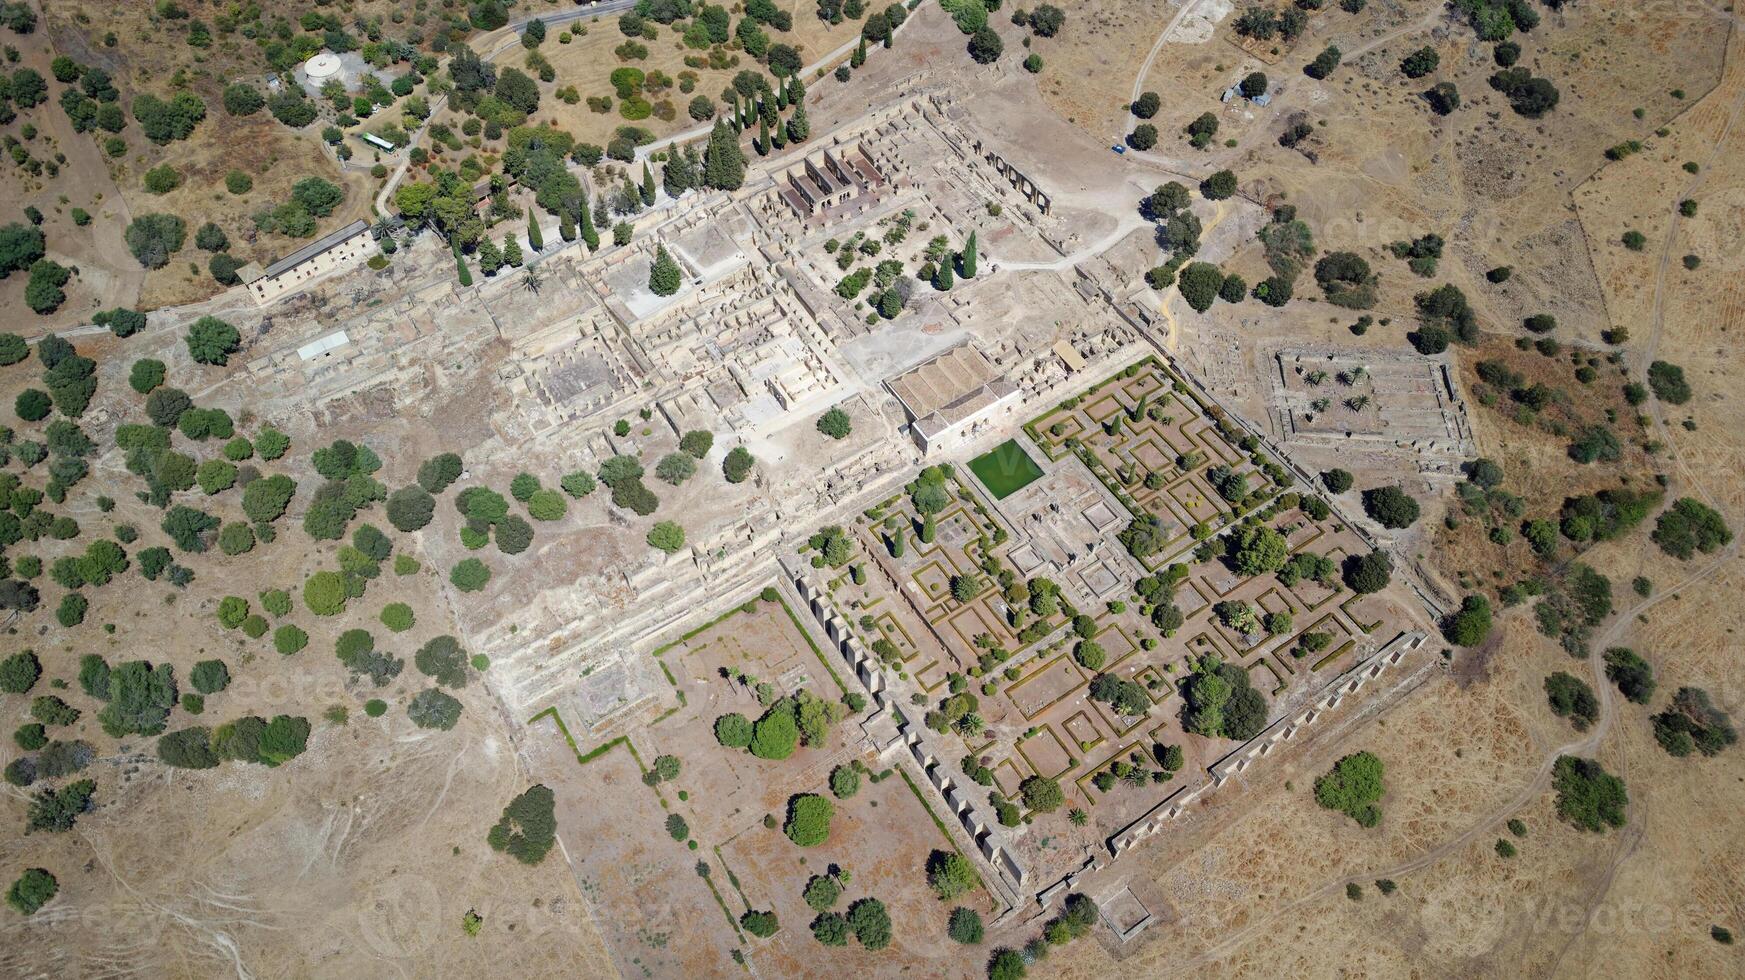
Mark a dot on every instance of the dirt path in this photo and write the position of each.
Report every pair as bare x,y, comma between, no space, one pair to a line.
1620,623
108,272
1145,69
1423,23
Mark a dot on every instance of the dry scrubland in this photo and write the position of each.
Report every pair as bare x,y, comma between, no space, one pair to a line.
364,855
1266,891
150,55
368,855
587,63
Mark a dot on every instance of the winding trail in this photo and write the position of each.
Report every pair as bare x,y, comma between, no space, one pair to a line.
1425,22
1145,69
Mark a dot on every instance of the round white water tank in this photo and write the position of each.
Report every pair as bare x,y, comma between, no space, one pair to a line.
322,67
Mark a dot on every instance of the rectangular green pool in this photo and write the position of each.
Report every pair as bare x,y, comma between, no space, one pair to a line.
1005,469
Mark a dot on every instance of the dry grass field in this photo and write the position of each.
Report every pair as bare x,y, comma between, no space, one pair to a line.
587,63
362,856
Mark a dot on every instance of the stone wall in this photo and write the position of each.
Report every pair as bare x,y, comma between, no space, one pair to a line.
1279,732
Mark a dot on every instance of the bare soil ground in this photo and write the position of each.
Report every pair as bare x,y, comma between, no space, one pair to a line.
1268,892
234,865
155,58
587,63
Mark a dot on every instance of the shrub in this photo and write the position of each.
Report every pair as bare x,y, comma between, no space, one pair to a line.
667,536
397,616
33,889
434,709
438,472
1692,722
1041,794
57,811
1353,787
1471,624
808,823
1572,698
870,923
835,423
1588,797
289,639
153,238
965,926
470,575
950,874
162,179
1006,964
513,535
733,730
1689,526
528,827
1633,676
1668,383
546,505
324,593
737,464
19,672
1390,506
209,676
844,782
140,699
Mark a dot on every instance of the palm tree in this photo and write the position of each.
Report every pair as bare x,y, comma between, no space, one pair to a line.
532,280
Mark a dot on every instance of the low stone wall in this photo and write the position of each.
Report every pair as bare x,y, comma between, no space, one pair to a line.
975,822
1278,732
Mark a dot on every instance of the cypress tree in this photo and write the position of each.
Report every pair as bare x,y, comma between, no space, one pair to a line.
723,161
942,280
590,237
664,276
511,251
966,259
647,188
779,137
762,143
799,128
859,57
535,237
678,175
566,227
